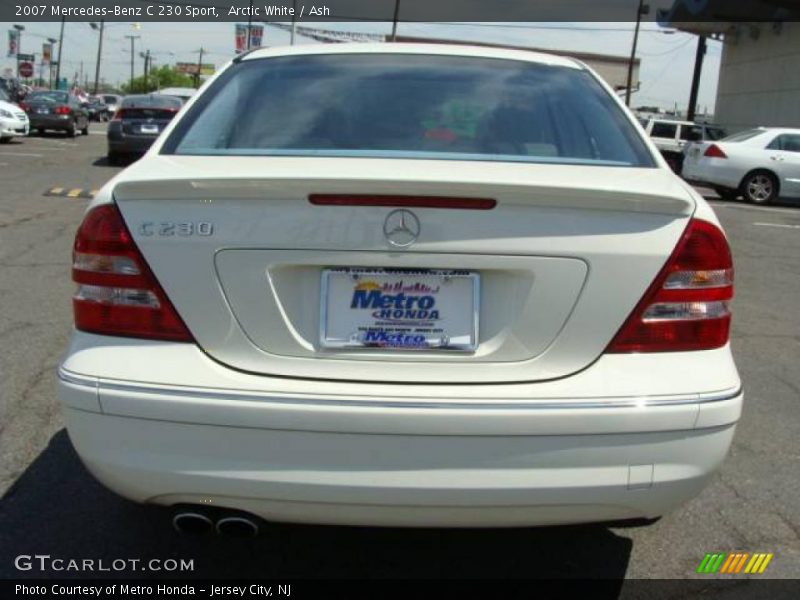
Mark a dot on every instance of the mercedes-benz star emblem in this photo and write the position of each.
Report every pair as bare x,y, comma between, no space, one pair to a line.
401,228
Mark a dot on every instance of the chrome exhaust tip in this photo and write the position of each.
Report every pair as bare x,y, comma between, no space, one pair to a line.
237,527
192,523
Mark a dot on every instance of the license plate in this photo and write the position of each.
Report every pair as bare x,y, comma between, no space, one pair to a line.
149,129
42,111
399,309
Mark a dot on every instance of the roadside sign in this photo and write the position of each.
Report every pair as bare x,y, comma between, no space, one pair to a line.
191,68
25,70
26,57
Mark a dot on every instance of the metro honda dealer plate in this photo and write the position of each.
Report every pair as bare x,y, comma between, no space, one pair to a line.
399,309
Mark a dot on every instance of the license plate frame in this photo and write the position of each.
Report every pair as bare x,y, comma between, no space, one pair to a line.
457,333
148,129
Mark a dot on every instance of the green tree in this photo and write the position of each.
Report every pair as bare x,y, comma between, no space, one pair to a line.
161,77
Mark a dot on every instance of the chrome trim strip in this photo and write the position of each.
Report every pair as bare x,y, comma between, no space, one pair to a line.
545,404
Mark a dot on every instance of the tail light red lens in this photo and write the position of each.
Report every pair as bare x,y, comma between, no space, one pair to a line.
25,106
61,110
117,115
117,293
714,151
687,305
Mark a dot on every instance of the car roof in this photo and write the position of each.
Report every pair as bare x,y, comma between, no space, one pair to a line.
406,48
141,97
779,130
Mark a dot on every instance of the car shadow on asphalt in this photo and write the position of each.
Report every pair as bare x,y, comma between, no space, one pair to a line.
103,161
56,508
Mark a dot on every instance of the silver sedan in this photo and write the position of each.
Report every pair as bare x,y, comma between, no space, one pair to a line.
758,164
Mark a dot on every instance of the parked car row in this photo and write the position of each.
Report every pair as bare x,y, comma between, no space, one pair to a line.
760,164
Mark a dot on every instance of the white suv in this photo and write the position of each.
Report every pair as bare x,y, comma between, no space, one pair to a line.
671,137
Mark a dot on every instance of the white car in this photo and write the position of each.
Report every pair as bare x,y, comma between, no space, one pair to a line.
401,285
760,165
671,137
13,120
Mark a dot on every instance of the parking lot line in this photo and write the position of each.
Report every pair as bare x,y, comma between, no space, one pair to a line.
780,225
782,211
26,154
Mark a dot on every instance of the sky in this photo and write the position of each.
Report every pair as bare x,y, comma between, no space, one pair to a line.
667,60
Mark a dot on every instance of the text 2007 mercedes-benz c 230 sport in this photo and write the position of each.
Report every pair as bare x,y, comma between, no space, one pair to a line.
406,285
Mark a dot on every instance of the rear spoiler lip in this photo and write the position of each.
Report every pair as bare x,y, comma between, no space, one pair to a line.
680,203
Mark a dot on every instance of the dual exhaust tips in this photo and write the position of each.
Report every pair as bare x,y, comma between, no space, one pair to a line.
194,523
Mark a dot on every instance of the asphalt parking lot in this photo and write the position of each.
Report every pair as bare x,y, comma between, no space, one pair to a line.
50,504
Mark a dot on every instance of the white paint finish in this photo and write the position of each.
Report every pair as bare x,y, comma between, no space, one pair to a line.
450,454
544,212
131,361
429,49
405,479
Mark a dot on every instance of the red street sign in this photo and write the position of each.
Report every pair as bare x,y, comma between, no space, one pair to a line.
25,69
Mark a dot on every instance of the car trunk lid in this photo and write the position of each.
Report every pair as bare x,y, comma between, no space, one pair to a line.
561,260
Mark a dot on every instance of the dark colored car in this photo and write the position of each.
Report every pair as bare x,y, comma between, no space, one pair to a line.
138,122
97,110
59,111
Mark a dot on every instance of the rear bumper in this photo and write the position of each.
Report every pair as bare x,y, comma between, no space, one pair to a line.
399,480
412,458
712,172
60,122
122,143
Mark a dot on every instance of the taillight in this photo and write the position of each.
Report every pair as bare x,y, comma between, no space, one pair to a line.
61,110
25,106
117,293
117,115
714,151
687,305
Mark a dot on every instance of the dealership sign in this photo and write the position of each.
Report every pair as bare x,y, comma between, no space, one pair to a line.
193,68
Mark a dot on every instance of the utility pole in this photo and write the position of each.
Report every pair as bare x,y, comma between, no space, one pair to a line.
394,20
249,25
698,69
146,58
60,45
99,53
294,22
642,10
200,65
133,39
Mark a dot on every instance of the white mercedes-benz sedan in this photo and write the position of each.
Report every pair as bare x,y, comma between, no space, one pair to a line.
396,284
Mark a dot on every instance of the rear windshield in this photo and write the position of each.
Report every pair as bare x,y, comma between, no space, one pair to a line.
146,113
48,97
715,133
409,106
743,135
110,99
149,107
168,102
